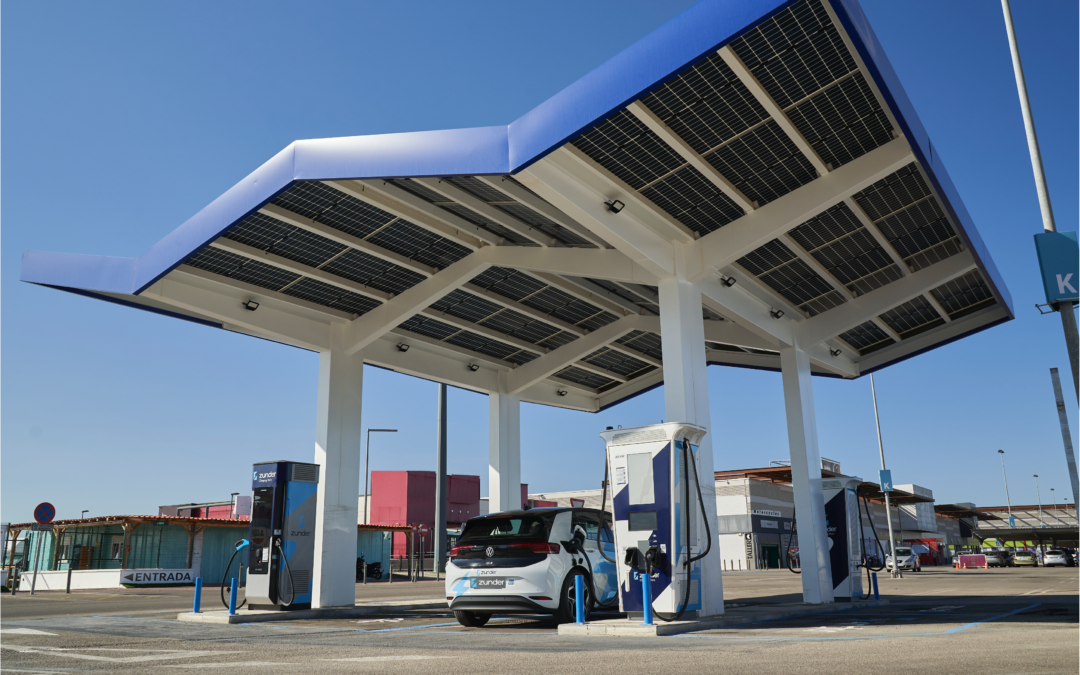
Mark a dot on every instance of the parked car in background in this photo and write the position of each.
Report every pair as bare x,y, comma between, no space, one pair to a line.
906,559
995,558
1057,556
1025,558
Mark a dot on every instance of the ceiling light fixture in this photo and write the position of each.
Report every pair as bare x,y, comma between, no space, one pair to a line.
473,367
727,281
251,305
776,313
562,392
615,206
835,352
402,347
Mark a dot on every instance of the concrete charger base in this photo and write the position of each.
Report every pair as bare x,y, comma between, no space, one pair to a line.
252,616
732,616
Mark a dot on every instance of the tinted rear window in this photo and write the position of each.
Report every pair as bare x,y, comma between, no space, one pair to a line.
506,530
1055,552
903,551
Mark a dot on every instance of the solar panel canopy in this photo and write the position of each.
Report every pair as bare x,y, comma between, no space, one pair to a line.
769,143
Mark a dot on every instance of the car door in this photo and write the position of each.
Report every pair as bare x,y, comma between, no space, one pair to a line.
596,535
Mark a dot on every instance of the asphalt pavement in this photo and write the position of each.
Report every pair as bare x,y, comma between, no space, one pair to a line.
1012,620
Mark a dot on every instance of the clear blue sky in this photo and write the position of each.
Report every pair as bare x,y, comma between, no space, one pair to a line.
122,119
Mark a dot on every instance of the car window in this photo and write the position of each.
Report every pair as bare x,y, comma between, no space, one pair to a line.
505,529
903,551
589,521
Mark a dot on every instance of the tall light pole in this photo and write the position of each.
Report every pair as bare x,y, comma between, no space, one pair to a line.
1039,495
367,454
881,451
84,512
1053,498
1065,309
1008,503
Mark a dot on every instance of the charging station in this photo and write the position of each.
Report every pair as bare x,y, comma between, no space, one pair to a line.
661,529
845,535
281,556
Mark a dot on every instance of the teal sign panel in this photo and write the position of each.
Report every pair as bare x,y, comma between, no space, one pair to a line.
1059,260
885,476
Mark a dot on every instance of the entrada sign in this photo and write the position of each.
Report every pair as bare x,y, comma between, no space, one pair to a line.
157,577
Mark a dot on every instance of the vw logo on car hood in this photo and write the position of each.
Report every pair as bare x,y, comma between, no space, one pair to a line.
490,551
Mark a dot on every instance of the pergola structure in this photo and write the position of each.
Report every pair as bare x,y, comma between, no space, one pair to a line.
748,185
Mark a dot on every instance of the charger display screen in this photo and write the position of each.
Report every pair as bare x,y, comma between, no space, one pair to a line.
641,521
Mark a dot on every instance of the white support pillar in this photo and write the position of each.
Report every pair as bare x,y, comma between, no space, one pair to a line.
806,476
337,452
686,399
504,450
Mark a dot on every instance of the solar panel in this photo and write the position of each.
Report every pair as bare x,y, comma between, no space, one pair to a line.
288,242
964,295
508,283
778,268
843,122
477,188
371,271
560,339
545,225
585,377
324,204
516,324
431,328
618,362
623,145
903,208
866,336
481,344
912,317
419,189
242,268
763,164
935,254
564,306
646,343
466,306
324,294
486,223
420,245
706,106
693,200
616,289
522,357
795,53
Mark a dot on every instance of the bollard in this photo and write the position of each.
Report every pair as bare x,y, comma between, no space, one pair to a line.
197,605
873,581
232,597
68,589
579,600
646,598
364,565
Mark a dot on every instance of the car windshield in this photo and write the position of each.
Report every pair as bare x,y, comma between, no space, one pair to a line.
903,551
505,530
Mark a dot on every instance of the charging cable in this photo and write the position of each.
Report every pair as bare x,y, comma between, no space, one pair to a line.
292,586
240,546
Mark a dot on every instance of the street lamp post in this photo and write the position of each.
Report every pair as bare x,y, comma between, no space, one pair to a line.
367,455
881,451
1008,503
1039,495
84,512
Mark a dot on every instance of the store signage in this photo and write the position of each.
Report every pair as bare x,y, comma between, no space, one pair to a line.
156,577
770,525
766,512
749,545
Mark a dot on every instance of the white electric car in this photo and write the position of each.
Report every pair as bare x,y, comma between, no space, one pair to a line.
524,562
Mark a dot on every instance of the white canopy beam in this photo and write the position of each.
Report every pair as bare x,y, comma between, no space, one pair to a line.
586,204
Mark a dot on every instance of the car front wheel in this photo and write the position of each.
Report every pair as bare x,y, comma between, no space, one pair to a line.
471,619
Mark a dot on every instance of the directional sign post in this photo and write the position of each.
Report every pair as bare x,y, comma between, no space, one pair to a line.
43,514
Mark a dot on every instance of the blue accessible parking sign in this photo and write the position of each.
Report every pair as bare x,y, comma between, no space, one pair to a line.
1059,261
